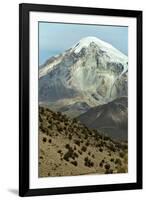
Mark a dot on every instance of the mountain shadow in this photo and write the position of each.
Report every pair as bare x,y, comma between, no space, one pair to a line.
111,118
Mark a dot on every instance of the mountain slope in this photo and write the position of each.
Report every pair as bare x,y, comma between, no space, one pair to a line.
92,72
111,118
76,149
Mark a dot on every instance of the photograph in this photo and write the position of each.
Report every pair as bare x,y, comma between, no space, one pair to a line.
80,111
82,99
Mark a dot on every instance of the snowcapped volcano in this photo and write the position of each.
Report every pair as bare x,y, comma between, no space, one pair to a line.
90,73
104,46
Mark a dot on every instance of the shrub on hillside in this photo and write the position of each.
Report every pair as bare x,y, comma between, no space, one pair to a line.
107,166
49,140
84,149
70,136
101,164
121,154
77,142
101,150
88,162
108,171
74,163
118,161
44,139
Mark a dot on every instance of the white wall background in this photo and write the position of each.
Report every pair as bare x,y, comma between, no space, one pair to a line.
9,97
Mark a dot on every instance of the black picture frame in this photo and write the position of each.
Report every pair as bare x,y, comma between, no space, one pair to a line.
24,107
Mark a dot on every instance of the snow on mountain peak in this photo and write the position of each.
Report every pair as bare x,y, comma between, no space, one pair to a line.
105,51
98,74
104,46
85,42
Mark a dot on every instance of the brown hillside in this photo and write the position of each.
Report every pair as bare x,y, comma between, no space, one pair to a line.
67,147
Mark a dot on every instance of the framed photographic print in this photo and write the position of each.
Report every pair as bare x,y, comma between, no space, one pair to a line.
80,100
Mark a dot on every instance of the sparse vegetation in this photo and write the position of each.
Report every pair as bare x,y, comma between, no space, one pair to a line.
67,146
59,151
93,156
101,164
74,163
68,155
109,171
87,144
44,139
70,137
112,147
49,140
77,142
107,166
121,154
84,149
80,152
118,161
73,148
88,162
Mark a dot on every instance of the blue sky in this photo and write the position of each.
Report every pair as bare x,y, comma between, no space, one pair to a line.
55,38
